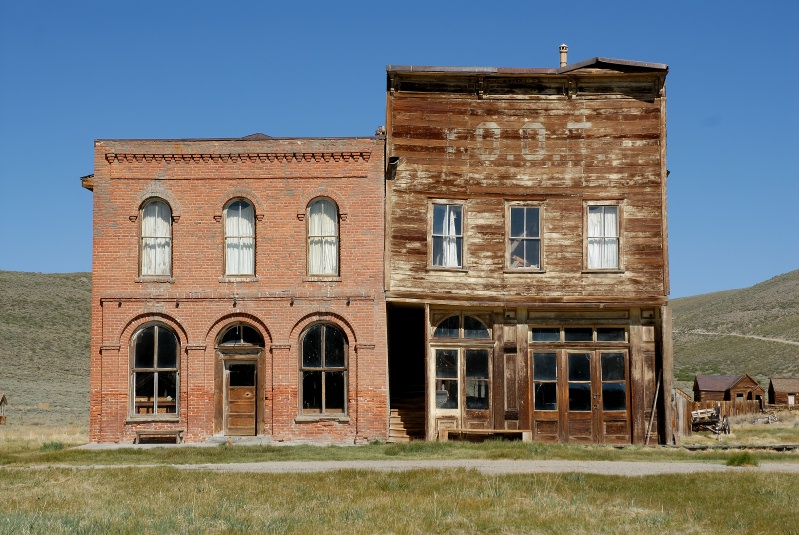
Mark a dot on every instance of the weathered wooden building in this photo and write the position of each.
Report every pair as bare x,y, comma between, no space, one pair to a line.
783,391
526,251
727,388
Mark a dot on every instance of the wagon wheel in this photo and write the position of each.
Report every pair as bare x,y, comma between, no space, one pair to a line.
725,426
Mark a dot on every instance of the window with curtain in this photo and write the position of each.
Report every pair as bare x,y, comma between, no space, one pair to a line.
448,235
239,238
524,247
156,238
323,370
603,237
322,237
154,368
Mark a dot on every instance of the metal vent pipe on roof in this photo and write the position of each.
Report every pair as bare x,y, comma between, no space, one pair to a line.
564,53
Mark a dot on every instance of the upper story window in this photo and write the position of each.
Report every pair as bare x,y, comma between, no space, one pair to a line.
154,371
156,238
603,237
524,237
323,370
447,235
239,238
323,235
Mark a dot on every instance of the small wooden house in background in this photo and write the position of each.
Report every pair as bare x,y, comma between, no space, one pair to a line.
783,391
3,403
727,388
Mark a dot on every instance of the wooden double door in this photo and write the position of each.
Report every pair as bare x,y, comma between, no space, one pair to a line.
580,395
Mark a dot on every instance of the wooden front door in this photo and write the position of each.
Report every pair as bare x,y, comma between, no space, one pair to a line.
240,398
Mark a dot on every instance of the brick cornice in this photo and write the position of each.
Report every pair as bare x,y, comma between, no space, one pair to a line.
129,157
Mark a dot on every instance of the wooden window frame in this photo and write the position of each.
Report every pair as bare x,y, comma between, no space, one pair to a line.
142,237
155,415
508,264
225,238
308,237
594,340
323,413
430,236
619,205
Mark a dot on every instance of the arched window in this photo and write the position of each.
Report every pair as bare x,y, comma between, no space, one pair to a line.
156,238
451,328
154,377
323,370
322,237
241,335
239,238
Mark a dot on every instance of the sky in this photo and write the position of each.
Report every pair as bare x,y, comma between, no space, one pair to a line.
72,72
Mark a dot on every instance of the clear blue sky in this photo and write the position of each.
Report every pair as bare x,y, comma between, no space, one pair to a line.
71,72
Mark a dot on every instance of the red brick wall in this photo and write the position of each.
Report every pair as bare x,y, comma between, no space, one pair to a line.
197,178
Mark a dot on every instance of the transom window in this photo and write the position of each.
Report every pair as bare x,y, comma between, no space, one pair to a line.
578,334
524,237
323,232
154,376
461,326
603,237
241,335
323,370
156,238
239,238
447,235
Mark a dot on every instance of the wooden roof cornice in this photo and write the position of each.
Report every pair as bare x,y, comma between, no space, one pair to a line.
231,157
593,63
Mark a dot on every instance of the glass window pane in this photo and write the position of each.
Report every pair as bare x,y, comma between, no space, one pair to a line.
312,391
614,397
532,253
579,367
455,223
474,328
545,366
312,348
251,336
578,334
477,394
477,363
241,374
446,363
579,397
167,392
334,347
438,251
439,215
532,223
545,396
446,394
546,334
167,349
517,226
334,392
613,367
610,334
449,328
517,254
144,386
144,349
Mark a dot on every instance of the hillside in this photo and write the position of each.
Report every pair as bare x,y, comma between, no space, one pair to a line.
44,339
752,330
44,346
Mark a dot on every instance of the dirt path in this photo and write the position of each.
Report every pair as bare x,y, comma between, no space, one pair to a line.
751,336
609,468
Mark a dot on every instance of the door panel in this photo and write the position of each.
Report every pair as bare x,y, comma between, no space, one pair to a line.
240,398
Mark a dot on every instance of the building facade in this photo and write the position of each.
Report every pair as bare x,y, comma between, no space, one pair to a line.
238,289
526,250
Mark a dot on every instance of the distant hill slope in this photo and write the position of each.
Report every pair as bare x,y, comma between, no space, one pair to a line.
44,346
45,321
752,330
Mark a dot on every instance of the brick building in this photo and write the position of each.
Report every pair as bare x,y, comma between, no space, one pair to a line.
238,289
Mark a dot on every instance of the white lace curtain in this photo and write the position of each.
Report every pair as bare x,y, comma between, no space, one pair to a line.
240,238
156,238
447,235
603,237
323,238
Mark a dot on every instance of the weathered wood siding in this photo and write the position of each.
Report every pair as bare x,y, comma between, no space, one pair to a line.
522,139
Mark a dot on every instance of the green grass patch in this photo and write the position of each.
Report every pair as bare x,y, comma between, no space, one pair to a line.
742,458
